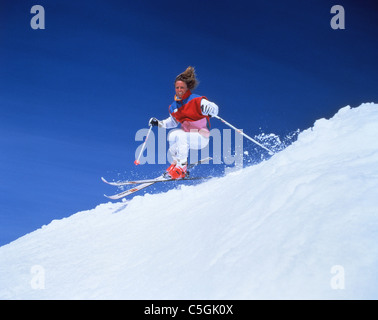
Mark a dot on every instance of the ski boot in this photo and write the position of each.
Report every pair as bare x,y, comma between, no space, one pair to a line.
176,171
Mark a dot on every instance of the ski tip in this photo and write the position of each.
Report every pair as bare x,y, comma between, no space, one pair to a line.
104,180
137,162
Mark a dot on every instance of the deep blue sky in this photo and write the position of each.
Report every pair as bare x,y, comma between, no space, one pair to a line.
73,96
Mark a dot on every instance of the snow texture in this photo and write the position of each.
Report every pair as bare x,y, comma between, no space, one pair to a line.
301,225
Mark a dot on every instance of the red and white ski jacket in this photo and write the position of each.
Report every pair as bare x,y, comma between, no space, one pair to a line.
187,111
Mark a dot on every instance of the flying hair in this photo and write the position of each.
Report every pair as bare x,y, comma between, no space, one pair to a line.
189,77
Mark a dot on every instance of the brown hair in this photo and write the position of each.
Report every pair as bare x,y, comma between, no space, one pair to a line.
189,77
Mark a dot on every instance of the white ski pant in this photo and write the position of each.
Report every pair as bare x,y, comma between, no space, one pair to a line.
180,142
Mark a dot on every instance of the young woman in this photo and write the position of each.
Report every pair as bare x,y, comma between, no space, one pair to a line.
192,112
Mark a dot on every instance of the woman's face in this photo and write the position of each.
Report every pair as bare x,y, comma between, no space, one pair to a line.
181,88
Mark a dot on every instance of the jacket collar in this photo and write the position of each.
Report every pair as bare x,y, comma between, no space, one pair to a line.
186,95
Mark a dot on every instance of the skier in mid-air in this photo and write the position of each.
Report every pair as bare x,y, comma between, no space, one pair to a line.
193,112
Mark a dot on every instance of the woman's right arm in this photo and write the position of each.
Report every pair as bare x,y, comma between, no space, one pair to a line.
168,123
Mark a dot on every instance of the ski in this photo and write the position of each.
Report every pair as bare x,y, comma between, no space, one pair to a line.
129,191
160,179
146,183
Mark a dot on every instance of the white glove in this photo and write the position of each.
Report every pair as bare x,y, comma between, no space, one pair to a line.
209,108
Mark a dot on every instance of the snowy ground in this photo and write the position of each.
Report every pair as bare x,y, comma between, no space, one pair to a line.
301,225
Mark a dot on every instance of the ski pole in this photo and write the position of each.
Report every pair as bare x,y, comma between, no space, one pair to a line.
242,133
143,146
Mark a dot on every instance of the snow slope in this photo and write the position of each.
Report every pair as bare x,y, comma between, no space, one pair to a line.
302,225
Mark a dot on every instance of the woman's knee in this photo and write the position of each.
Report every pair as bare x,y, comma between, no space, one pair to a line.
177,135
